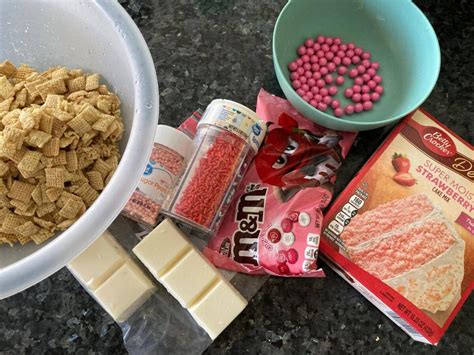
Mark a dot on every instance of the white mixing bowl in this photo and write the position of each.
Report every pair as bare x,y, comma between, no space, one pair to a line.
100,37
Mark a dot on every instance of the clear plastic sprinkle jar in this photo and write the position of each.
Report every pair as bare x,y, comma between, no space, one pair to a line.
228,137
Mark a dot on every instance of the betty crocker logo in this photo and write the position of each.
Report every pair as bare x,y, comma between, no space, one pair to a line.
438,142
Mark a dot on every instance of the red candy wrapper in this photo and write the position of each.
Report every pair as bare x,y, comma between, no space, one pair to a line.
274,222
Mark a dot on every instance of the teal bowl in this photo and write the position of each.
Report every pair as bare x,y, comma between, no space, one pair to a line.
397,34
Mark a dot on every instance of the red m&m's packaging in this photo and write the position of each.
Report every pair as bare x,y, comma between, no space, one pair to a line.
274,222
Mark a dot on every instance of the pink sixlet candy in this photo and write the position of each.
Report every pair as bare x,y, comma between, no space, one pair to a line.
292,66
366,55
322,106
342,70
343,47
305,58
311,82
323,61
293,216
341,54
358,51
301,50
346,61
365,97
377,79
331,66
358,107
320,53
379,89
328,79
371,72
355,59
316,46
316,75
337,60
327,100
309,42
308,74
300,70
300,92
335,104
307,66
334,48
356,97
337,41
313,103
325,47
314,59
310,51
296,84
329,55
332,90
294,76
321,39
361,69
367,105
274,235
315,90
315,66
303,79
353,73
358,81
349,109
371,84
309,94
323,70
340,80
374,97
366,63
365,89
365,77
348,93
299,61
329,40
350,53
292,256
375,65
339,112
324,92
356,88
286,225
320,83
318,97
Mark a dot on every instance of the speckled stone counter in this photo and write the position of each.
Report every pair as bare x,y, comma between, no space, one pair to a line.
207,49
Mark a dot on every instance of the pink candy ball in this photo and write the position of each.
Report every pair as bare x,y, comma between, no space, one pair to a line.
324,92
375,65
350,45
349,109
332,90
331,66
323,61
322,106
309,42
374,96
366,77
318,97
356,89
371,84
379,89
361,69
336,60
311,82
305,87
366,63
305,58
321,39
315,67
334,48
308,74
358,81
300,70
337,41
316,47
377,78
292,66
301,50
335,104
329,55
358,107
299,61
343,47
327,100
353,73
356,97
365,97
313,103
350,53
346,61
329,40
365,55
295,75
315,90
371,71
300,92
367,105
324,70
303,79
328,79
307,66
348,93
296,84
341,70
320,83
309,94
358,51
325,47
339,112
310,51
340,80
306,98
316,75
365,89
314,59
320,53
341,54
355,59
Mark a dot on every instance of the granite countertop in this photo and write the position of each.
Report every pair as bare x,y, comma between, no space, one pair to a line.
222,49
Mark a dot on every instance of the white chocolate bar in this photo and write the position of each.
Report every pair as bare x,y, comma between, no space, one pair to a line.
124,292
190,278
98,262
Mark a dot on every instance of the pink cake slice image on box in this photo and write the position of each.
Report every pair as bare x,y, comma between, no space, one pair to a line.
409,245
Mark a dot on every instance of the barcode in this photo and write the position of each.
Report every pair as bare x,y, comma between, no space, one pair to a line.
407,328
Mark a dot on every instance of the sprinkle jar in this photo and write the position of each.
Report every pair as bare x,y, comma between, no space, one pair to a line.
168,159
228,137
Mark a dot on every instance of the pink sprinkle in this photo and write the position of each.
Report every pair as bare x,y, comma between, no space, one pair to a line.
321,39
332,90
343,47
339,112
309,42
318,97
305,87
329,55
337,60
353,73
350,45
320,83
367,105
311,82
292,66
317,47
301,50
371,71
379,89
303,79
295,75
366,77
323,61
314,59
305,58
317,75
320,53
334,48
300,92
365,89
365,97
358,51
327,100
324,92
331,66
322,106
328,79
346,61
371,84
329,40
356,97
337,41
355,59
309,94
350,53
374,96
315,66
348,93
307,66
358,107
341,70
308,74
325,47
377,78
375,65
366,55
315,90
358,81
296,84
339,80
356,88
341,54
313,103
335,104
361,69
310,51
366,63
349,109
299,61
324,70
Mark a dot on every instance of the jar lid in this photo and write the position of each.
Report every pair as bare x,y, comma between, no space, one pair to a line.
237,119
174,139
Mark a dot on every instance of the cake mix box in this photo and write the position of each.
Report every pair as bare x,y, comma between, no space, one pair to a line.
401,232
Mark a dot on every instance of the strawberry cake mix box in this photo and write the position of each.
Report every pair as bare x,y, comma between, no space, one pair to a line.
401,232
